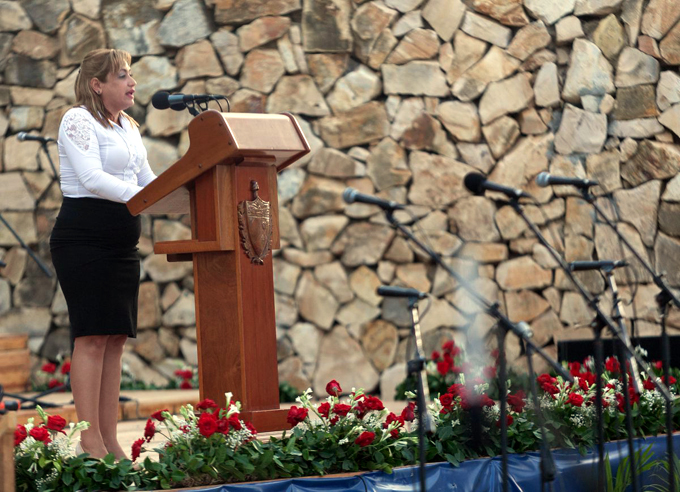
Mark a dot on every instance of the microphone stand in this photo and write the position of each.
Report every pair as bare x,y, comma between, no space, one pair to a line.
30,252
618,317
548,469
504,325
601,321
416,367
663,300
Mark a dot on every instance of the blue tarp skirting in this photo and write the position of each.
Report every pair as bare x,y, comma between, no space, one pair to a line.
576,473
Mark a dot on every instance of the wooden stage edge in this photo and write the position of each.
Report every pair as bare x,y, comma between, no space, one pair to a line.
136,405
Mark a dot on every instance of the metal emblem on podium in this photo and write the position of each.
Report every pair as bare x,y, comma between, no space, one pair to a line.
255,226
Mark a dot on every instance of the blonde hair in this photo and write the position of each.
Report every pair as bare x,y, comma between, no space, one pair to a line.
99,64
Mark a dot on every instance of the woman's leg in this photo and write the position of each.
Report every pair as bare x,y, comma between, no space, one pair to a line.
87,364
110,392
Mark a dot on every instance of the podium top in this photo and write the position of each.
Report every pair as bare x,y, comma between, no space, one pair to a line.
222,138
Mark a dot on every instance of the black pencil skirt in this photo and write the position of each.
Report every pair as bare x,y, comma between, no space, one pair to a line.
94,252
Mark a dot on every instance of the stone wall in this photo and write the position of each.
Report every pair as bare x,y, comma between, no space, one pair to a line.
398,98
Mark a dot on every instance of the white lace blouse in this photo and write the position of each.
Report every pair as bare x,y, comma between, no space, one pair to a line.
98,162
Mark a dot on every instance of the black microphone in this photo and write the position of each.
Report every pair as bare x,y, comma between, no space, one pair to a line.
545,179
350,195
606,265
23,137
390,291
477,184
164,100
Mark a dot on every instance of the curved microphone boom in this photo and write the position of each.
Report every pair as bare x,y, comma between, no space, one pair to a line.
25,137
350,195
478,184
546,179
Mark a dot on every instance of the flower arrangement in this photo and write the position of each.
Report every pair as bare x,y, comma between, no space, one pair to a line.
52,375
43,460
206,445
336,436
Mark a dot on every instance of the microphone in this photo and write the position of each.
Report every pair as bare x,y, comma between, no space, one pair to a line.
477,184
390,291
545,179
164,100
350,195
23,137
606,265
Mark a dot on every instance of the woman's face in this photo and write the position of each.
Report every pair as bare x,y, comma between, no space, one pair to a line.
118,91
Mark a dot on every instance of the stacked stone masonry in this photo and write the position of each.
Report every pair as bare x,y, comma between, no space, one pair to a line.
398,98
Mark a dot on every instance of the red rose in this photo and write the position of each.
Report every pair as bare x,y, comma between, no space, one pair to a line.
66,368
40,434
448,346
365,438
435,355
658,364
508,419
19,434
671,379
456,389
446,400
186,385
158,415
137,449
49,368
341,409
206,404
53,383
550,388
485,401
373,403
207,424
324,409
149,430
545,379
223,426
612,365
574,368
333,388
443,367
392,417
489,372
583,384
296,415
575,399
648,384
634,397
517,402
408,413
56,423
251,428
184,373
234,422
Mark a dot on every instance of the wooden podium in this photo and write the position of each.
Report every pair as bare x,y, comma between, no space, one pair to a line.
227,182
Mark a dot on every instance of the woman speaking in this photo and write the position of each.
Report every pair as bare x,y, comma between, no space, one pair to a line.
94,241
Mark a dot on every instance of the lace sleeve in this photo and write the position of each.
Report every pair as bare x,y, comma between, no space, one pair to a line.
78,129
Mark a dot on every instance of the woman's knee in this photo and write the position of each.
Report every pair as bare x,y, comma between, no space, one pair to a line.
94,344
116,343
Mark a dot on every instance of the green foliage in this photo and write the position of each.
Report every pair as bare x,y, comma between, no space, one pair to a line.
287,393
624,478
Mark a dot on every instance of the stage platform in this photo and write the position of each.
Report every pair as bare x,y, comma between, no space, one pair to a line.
575,473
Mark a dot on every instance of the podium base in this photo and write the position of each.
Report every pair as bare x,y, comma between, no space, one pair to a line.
267,420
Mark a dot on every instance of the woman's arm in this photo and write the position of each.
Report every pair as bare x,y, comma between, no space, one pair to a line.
79,139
